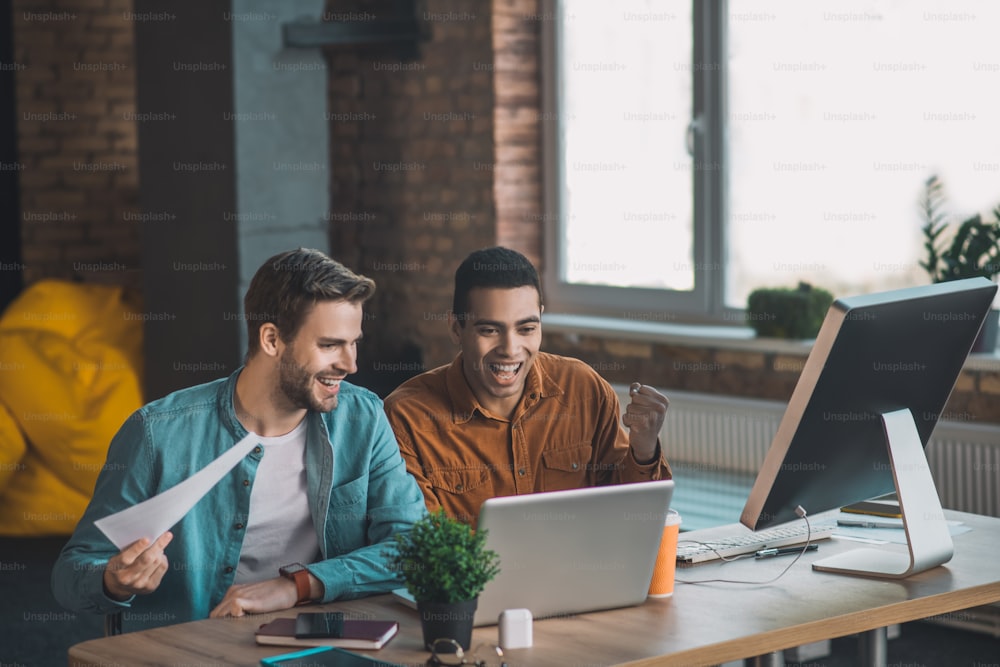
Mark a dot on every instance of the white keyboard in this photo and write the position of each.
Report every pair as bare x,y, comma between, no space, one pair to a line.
783,536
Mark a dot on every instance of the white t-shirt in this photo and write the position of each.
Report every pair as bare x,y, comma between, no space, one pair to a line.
280,528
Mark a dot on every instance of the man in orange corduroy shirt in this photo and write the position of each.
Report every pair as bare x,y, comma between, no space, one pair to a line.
505,418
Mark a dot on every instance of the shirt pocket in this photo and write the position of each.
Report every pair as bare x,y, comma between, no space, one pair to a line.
566,468
347,519
461,490
460,481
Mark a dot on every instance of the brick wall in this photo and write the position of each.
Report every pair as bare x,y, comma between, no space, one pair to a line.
412,193
682,367
434,157
517,133
77,140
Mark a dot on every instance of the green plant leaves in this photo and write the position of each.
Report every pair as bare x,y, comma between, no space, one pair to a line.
974,250
444,560
779,312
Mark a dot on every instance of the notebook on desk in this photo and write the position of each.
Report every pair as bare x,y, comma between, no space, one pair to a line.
567,552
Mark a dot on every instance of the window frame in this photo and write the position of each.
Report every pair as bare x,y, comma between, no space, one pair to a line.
705,303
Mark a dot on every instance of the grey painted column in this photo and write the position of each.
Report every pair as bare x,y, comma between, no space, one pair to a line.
233,155
282,142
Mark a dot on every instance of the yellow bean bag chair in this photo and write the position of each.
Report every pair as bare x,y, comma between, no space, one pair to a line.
70,369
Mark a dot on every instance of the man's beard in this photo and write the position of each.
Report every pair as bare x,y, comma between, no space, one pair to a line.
296,385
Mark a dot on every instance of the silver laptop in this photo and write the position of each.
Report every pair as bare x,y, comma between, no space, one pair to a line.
567,552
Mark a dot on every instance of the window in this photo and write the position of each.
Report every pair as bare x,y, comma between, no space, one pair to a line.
621,175
702,150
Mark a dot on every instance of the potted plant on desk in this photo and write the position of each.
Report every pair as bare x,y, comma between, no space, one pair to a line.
973,250
445,565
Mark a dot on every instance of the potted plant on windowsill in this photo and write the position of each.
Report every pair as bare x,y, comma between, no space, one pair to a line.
445,565
972,250
783,312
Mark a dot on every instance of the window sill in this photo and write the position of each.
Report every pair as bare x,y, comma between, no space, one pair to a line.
701,335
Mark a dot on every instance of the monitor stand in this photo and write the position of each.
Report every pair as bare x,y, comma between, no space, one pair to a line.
927,536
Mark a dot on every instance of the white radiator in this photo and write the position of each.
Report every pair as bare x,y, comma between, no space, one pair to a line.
727,435
965,461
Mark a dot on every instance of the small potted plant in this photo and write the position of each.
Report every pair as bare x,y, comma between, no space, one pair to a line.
782,312
972,250
445,565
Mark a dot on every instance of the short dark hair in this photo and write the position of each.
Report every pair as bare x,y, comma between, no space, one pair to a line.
491,267
288,285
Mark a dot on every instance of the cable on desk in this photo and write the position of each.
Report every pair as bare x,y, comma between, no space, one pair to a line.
802,514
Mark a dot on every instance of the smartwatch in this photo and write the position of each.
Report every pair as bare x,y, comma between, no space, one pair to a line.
300,575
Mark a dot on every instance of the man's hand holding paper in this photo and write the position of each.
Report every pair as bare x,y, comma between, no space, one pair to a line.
137,569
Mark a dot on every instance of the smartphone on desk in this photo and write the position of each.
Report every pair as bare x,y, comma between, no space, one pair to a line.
321,625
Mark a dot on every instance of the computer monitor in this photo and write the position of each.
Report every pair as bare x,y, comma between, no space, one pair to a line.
865,405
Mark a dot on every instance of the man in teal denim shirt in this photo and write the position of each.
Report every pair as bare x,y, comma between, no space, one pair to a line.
336,489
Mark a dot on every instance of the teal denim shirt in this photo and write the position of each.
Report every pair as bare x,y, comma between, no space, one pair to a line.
360,496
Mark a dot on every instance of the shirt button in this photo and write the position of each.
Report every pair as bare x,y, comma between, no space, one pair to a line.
228,570
534,395
458,487
257,450
246,482
520,471
575,466
238,526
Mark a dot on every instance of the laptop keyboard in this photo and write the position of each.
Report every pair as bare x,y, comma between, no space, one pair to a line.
783,536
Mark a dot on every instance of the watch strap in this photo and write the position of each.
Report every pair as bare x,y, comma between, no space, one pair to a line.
301,578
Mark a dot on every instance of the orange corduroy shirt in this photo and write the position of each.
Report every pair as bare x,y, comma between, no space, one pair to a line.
565,433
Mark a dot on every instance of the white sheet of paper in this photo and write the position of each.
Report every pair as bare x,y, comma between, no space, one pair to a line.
154,516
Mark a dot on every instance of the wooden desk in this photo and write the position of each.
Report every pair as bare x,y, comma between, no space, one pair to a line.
701,624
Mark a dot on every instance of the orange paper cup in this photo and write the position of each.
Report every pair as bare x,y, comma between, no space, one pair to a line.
662,585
